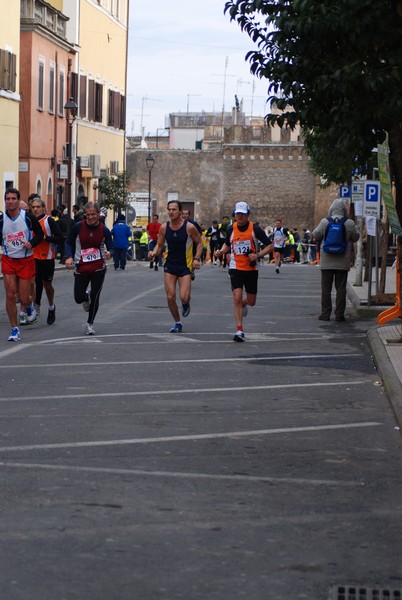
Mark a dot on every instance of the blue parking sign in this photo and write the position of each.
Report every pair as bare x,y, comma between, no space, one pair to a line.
372,199
344,191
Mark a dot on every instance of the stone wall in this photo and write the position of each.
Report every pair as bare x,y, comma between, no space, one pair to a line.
274,179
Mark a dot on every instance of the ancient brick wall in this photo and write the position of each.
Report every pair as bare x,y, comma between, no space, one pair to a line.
274,179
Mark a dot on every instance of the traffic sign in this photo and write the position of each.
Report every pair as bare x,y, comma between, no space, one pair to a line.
358,191
372,199
344,191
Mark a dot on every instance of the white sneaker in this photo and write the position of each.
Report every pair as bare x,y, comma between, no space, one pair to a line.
22,317
32,317
89,329
15,335
37,308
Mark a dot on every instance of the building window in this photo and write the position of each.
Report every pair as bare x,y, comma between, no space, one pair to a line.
8,70
91,100
74,87
95,101
116,110
41,83
52,82
122,124
98,102
83,97
61,93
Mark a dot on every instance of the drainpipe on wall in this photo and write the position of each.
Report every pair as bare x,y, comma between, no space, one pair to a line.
56,60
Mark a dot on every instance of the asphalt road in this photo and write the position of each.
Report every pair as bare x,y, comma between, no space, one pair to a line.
143,465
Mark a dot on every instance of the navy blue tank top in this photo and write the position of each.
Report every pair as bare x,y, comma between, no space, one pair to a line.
179,249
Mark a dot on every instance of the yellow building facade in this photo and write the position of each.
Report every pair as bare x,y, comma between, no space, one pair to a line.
9,96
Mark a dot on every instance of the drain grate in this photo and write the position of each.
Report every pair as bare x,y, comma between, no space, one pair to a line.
357,592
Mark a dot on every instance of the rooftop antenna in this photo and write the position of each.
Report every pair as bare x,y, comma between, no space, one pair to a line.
225,76
224,92
145,99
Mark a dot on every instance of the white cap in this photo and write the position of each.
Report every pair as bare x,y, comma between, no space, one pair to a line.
242,207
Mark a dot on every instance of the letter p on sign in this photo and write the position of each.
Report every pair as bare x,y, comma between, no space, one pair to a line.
372,197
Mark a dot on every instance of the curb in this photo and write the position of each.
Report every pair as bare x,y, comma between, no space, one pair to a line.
360,305
390,380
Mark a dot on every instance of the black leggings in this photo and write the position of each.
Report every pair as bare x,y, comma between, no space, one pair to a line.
81,283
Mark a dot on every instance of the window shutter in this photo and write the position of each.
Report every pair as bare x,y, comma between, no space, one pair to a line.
83,97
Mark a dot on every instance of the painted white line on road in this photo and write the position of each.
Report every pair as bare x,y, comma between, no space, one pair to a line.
185,391
187,438
123,363
181,475
13,348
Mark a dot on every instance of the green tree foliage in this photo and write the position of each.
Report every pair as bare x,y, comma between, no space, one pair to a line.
113,190
338,64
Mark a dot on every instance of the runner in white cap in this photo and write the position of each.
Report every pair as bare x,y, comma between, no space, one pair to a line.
242,242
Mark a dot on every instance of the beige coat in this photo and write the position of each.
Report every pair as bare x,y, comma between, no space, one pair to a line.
336,261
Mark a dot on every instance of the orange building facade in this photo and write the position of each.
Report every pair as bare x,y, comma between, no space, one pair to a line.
45,61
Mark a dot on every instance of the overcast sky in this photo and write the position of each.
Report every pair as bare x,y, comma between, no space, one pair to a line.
177,55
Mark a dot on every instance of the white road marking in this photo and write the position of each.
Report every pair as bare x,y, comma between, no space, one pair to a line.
17,346
13,348
180,361
187,391
186,438
181,475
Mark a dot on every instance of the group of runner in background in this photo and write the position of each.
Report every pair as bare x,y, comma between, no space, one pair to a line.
30,239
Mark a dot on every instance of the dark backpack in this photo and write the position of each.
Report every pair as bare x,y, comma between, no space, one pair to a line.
335,236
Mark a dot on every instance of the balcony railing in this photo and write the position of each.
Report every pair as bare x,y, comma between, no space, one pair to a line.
39,11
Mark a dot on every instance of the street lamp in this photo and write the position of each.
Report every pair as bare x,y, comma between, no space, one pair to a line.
150,165
71,112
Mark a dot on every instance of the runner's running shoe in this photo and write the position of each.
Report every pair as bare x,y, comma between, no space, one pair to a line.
238,336
177,327
31,315
15,335
185,310
89,329
51,316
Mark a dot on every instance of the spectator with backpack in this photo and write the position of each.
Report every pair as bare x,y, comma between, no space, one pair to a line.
335,233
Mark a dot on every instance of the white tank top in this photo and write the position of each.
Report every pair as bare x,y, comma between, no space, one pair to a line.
15,233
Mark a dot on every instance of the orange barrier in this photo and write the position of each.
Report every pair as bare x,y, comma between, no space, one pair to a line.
317,260
395,311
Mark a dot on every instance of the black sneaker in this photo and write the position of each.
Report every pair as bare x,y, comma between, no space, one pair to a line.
51,316
238,336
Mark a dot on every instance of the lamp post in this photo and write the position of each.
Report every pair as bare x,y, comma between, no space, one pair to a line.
71,112
150,165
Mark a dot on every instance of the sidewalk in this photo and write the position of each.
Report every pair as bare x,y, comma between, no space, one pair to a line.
385,341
